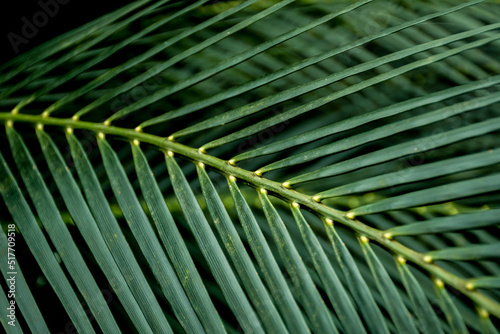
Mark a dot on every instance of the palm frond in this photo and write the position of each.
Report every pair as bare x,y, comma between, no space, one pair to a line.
256,166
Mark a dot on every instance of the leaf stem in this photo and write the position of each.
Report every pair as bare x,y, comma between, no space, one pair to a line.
274,188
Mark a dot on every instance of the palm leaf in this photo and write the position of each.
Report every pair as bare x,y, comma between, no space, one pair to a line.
256,166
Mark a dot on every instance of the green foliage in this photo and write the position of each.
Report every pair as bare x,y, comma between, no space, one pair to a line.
256,166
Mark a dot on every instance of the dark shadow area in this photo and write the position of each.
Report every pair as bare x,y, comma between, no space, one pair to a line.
25,24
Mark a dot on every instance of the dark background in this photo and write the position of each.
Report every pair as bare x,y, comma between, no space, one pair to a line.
71,14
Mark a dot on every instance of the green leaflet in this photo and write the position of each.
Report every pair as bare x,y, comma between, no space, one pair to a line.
486,324
97,59
86,224
400,150
487,282
172,61
318,314
77,50
474,252
427,320
59,234
147,240
358,288
425,34
252,283
385,131
365,137
24,299
438,194
311,86
175,246
447,67
108,75
292,68
393,303
356,121
450,310
28,226
449,224
228,63
339,298
113,236
212,252
418,173
4,304
236,59
272,274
